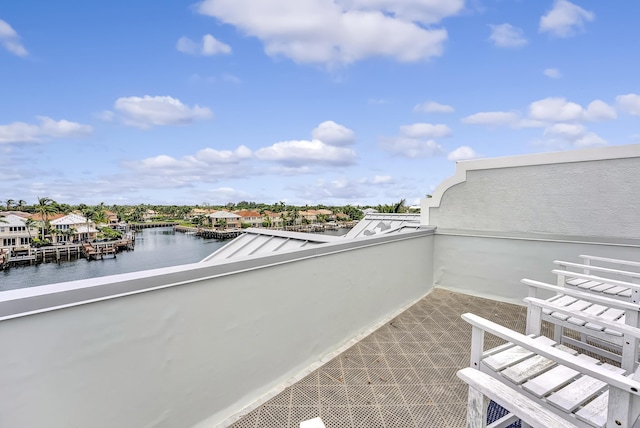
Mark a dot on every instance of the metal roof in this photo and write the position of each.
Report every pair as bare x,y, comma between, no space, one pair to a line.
259,242
384,223
70,219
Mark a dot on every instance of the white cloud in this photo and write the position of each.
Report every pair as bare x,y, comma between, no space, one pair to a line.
599,110
339,188
629,103
325,148
20,132
425,130
10,39
202,160
565,19
571,135
416,141
433,107
544,112
209,46
552,73
333,134
205,166
462,153
507,36
493,118
555,110
326,32
560,110
300,152
411,147
145,112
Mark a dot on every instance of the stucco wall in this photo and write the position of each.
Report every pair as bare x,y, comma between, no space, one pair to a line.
595,198
493,267
192,354
501,220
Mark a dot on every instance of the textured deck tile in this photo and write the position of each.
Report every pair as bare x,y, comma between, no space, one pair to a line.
401,376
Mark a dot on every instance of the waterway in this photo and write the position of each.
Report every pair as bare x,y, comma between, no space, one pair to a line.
155,248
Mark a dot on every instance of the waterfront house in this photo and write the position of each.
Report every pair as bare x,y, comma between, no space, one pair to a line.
149,215
361,331
250,217
224,220
274,218
198,212
14,234
308,216
112,218
72,228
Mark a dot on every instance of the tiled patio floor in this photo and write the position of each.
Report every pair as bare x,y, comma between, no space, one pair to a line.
402,375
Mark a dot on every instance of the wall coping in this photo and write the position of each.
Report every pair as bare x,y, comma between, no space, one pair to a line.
550,158
34,300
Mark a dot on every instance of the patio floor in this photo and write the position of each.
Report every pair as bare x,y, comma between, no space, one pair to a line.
401,376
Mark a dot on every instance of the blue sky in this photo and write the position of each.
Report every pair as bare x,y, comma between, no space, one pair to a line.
308,101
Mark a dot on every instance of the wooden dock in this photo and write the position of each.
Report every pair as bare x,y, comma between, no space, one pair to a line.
207,232
140,226
68,252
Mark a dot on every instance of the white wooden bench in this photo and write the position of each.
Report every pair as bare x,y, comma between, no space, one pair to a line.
597,312
578,388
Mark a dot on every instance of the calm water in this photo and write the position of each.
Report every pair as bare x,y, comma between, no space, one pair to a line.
155,248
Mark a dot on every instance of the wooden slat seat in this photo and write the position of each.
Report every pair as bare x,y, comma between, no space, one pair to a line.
594,335
578,388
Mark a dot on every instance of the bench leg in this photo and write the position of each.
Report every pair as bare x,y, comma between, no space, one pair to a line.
477,409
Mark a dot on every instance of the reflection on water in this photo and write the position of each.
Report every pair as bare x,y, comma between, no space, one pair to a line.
155,248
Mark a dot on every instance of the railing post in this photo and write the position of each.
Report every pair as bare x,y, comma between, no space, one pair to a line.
534,319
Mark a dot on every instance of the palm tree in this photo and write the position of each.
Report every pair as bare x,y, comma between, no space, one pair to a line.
21,204
399,207
69,233
29,223
45,207
9,203
87,213
100,214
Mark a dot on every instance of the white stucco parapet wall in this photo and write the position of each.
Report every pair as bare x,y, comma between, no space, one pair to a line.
574,192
